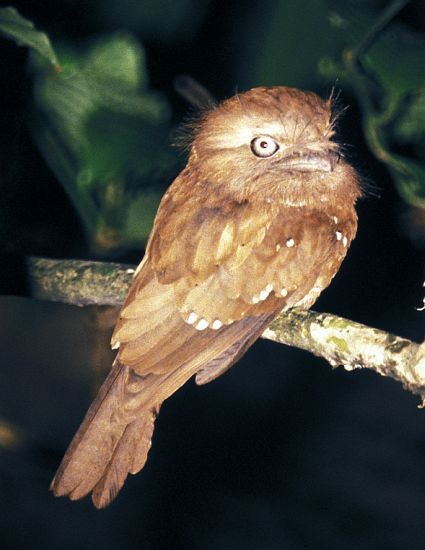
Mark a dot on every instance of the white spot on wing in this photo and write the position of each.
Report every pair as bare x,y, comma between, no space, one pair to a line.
201,324
290,243
216,324
192,318
338,235
344,241
283,292
116,345
264,293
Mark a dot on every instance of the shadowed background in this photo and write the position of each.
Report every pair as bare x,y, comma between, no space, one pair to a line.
281,452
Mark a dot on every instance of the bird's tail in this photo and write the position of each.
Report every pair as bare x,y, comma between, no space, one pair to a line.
113,440
115,436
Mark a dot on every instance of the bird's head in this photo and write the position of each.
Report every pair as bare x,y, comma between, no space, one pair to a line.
273,142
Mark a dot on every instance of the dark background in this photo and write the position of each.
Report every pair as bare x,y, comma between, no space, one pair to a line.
281,452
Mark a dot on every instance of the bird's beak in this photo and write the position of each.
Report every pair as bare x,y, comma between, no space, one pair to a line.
310,160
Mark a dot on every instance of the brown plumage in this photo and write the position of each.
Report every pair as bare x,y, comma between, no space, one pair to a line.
258,221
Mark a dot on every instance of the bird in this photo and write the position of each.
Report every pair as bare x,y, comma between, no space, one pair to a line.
257,222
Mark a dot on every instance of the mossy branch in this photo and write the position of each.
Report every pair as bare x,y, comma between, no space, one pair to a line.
79,282
339,341
343,342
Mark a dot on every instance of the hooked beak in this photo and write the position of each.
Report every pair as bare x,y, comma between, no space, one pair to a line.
308,160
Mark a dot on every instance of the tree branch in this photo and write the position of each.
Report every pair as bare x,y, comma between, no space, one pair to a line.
339,341
79,282
352,345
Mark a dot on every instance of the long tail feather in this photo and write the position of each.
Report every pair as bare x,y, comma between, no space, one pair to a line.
115,436
113,440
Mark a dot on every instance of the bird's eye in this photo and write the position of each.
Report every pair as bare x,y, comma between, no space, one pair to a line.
264,146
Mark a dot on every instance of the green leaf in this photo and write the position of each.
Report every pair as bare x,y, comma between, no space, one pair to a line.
410,125
105,134
395,60
389,85
22,31
410,180
120,59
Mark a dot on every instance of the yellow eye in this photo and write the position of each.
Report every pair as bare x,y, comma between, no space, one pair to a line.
264,146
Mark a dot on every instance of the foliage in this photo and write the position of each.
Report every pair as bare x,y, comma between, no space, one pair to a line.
22,31
384,68
103,132
385,74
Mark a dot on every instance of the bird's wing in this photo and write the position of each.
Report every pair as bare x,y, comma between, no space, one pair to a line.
216,267
226,264
222,263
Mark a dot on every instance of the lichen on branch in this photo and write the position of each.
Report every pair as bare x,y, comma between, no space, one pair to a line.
339,341
353,345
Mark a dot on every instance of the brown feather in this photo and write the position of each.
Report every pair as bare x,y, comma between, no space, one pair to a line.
236,239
